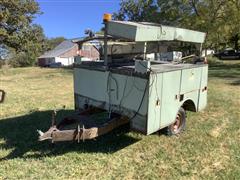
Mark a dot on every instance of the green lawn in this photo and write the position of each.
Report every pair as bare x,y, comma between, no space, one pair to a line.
208,149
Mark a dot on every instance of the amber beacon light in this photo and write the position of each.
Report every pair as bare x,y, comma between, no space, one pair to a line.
107,17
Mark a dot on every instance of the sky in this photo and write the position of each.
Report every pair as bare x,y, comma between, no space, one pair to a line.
69,18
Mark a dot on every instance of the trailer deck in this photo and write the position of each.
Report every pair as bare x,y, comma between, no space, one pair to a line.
129,67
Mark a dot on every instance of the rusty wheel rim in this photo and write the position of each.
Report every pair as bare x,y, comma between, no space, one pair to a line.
177,124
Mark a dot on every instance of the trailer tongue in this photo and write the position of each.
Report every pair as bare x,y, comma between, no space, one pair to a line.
128,87
82,125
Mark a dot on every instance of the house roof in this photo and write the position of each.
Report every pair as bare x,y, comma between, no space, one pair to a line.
60,49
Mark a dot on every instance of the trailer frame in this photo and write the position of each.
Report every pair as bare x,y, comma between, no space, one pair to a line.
57,132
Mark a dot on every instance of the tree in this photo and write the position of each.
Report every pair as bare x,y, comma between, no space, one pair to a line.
33,45
15,18
17,31
53,42
140,10
232,20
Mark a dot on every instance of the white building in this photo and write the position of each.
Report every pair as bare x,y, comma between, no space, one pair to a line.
61,55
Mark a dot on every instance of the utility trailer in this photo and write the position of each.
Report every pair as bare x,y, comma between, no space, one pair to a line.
127,88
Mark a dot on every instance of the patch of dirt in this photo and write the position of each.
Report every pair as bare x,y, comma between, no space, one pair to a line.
215,132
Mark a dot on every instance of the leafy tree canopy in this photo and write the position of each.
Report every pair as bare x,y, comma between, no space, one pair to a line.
17,32
15,22
53,42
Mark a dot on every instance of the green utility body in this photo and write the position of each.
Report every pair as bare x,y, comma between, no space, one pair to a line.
148,93
155,97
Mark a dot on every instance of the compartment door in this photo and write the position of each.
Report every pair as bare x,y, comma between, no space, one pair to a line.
169,103
202,102
154,102
190,80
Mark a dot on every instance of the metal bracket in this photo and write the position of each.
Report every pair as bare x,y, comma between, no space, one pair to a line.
54,114
78,133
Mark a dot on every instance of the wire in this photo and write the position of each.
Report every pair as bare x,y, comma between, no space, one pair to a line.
140,105
144,93
156,89
109,96
125,85
115,83
134,84
109,91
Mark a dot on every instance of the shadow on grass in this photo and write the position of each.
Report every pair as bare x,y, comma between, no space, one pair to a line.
236,82
226,71
20,135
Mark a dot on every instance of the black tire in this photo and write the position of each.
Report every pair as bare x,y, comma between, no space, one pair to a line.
2,93
179,125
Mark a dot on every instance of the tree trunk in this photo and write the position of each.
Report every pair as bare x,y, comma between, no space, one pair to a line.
236,44
236,38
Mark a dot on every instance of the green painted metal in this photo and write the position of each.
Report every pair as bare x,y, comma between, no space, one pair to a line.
173,89
202,102
154,102
170,97
166,92
121,93
190,79
143,31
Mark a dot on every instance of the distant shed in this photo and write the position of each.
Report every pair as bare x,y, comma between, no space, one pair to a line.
63,54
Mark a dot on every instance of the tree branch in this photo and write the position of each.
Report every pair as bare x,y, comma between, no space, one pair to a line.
193,2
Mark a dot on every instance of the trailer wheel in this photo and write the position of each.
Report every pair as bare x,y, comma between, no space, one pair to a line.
179,125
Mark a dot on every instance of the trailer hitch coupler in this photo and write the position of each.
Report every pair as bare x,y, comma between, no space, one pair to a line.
40,132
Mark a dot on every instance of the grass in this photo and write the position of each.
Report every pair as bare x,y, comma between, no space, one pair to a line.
208,149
